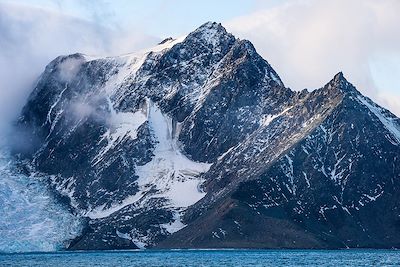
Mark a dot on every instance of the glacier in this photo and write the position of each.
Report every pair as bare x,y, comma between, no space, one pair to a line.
31,218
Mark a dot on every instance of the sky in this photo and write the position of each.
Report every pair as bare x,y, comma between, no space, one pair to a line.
306,41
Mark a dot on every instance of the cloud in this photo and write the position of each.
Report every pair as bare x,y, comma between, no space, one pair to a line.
31,37
307,42
69,68
100,12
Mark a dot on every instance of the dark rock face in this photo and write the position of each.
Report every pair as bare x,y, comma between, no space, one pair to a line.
198,143
334,188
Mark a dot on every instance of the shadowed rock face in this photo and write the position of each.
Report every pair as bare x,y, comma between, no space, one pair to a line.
198,143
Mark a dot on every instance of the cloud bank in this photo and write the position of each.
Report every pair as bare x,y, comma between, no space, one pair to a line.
32,37
307,42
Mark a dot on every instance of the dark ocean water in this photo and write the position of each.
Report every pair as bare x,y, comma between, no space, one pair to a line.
207,258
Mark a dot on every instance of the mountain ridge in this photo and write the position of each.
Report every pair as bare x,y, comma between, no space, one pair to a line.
176,146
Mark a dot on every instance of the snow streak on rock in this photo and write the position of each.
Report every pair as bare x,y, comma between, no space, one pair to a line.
388,121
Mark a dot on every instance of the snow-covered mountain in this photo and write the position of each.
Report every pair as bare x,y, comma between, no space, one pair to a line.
196,142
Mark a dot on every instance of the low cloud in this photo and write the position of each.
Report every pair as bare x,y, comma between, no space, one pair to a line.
307,42
69,68
31,37
81,110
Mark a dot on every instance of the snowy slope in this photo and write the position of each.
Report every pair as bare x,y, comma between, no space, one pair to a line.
171,174
389,121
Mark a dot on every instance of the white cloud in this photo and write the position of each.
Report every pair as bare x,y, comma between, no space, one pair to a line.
307,42
32,37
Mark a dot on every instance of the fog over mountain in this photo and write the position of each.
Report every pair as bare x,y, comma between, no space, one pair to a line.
31,37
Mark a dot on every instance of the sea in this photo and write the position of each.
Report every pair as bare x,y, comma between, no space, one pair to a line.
206,258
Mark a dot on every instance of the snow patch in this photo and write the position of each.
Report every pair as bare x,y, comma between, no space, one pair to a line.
306,179
174,226
389,122
169,175
100,211
275,78
172,173
122,125
138,239
166,45
226,153
123,235
268,118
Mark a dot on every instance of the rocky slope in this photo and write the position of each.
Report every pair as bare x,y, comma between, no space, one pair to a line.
197,143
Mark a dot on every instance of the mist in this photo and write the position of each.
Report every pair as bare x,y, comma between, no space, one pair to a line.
31,37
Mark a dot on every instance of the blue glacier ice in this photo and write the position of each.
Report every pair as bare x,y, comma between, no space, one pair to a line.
30,218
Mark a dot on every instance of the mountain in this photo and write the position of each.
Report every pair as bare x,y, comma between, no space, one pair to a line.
197,143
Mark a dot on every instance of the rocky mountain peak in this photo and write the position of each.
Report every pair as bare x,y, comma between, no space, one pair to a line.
338,86
341,83
184,143
339,76
212,26
212,35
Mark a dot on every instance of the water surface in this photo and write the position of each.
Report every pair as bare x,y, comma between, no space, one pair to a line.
173,258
